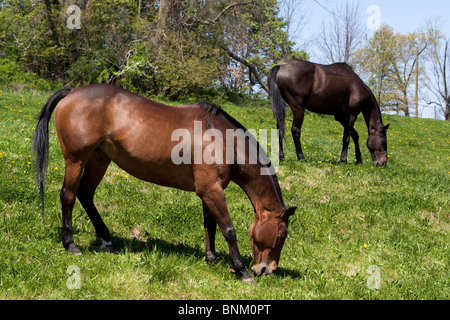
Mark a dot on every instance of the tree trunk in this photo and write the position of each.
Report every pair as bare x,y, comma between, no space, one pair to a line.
168,16
51,19
163,15
447,110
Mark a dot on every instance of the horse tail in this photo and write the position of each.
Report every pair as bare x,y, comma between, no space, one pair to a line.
40,140
278,104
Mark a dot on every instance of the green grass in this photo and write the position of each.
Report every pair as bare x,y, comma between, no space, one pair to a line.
349,217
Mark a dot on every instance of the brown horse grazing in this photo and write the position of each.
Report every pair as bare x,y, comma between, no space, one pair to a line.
101,123
327,89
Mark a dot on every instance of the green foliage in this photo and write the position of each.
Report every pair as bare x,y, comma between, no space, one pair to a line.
186,65
13,74
389,64
178,53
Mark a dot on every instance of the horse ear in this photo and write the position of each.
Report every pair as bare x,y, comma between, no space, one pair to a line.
386,127
289,212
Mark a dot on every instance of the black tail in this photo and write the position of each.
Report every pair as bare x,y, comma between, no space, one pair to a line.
40,140
278,104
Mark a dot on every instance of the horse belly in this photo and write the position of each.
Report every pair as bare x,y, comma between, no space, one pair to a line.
321,105
151,165
327,102
320,110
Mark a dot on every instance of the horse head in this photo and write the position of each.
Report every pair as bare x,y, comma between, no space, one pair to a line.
267,235
377,144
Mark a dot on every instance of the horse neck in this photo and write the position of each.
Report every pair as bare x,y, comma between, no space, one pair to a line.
263,190
372,113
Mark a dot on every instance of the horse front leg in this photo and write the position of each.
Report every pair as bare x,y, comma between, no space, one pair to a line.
345,143
280,144
355,138
349,131
210,235
213,198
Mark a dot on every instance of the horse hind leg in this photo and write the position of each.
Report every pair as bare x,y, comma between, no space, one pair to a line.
210,235
93,174
71,182
280,144
299,114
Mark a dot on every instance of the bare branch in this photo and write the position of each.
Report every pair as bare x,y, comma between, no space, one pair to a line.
250,66
342,36
221,13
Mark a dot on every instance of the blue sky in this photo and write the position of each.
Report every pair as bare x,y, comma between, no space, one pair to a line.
404,16
408,16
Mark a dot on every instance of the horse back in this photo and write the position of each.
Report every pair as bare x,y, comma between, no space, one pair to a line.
137,134
327,89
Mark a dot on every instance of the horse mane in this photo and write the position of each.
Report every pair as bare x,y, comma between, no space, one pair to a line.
348,65
374,104
214,110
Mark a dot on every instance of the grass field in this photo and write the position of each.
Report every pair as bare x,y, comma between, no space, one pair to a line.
359,232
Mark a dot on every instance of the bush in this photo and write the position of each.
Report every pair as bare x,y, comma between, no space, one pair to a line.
13,74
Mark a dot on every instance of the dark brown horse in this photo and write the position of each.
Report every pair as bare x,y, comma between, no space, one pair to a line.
327,89
101,123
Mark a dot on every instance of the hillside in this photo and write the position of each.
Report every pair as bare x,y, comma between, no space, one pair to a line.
359,232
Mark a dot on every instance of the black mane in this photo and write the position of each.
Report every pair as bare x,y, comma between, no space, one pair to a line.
213,110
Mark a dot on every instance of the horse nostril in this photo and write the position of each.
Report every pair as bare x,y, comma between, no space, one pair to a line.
263,270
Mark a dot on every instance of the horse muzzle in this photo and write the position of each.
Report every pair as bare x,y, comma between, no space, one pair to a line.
379,163
264,268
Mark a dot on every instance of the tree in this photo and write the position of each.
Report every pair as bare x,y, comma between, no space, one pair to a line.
390,62
258,41
439,59
169,47
168,17
341,36
296,15
249,33
373,62
405,66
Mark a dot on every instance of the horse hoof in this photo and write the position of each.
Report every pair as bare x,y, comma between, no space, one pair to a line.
73,249
247,278
213,262
106,246
107,249
211,258
250,280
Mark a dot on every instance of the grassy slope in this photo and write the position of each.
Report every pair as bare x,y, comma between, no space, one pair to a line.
349,218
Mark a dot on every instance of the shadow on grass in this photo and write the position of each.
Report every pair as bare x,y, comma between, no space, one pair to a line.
324,161
134,245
